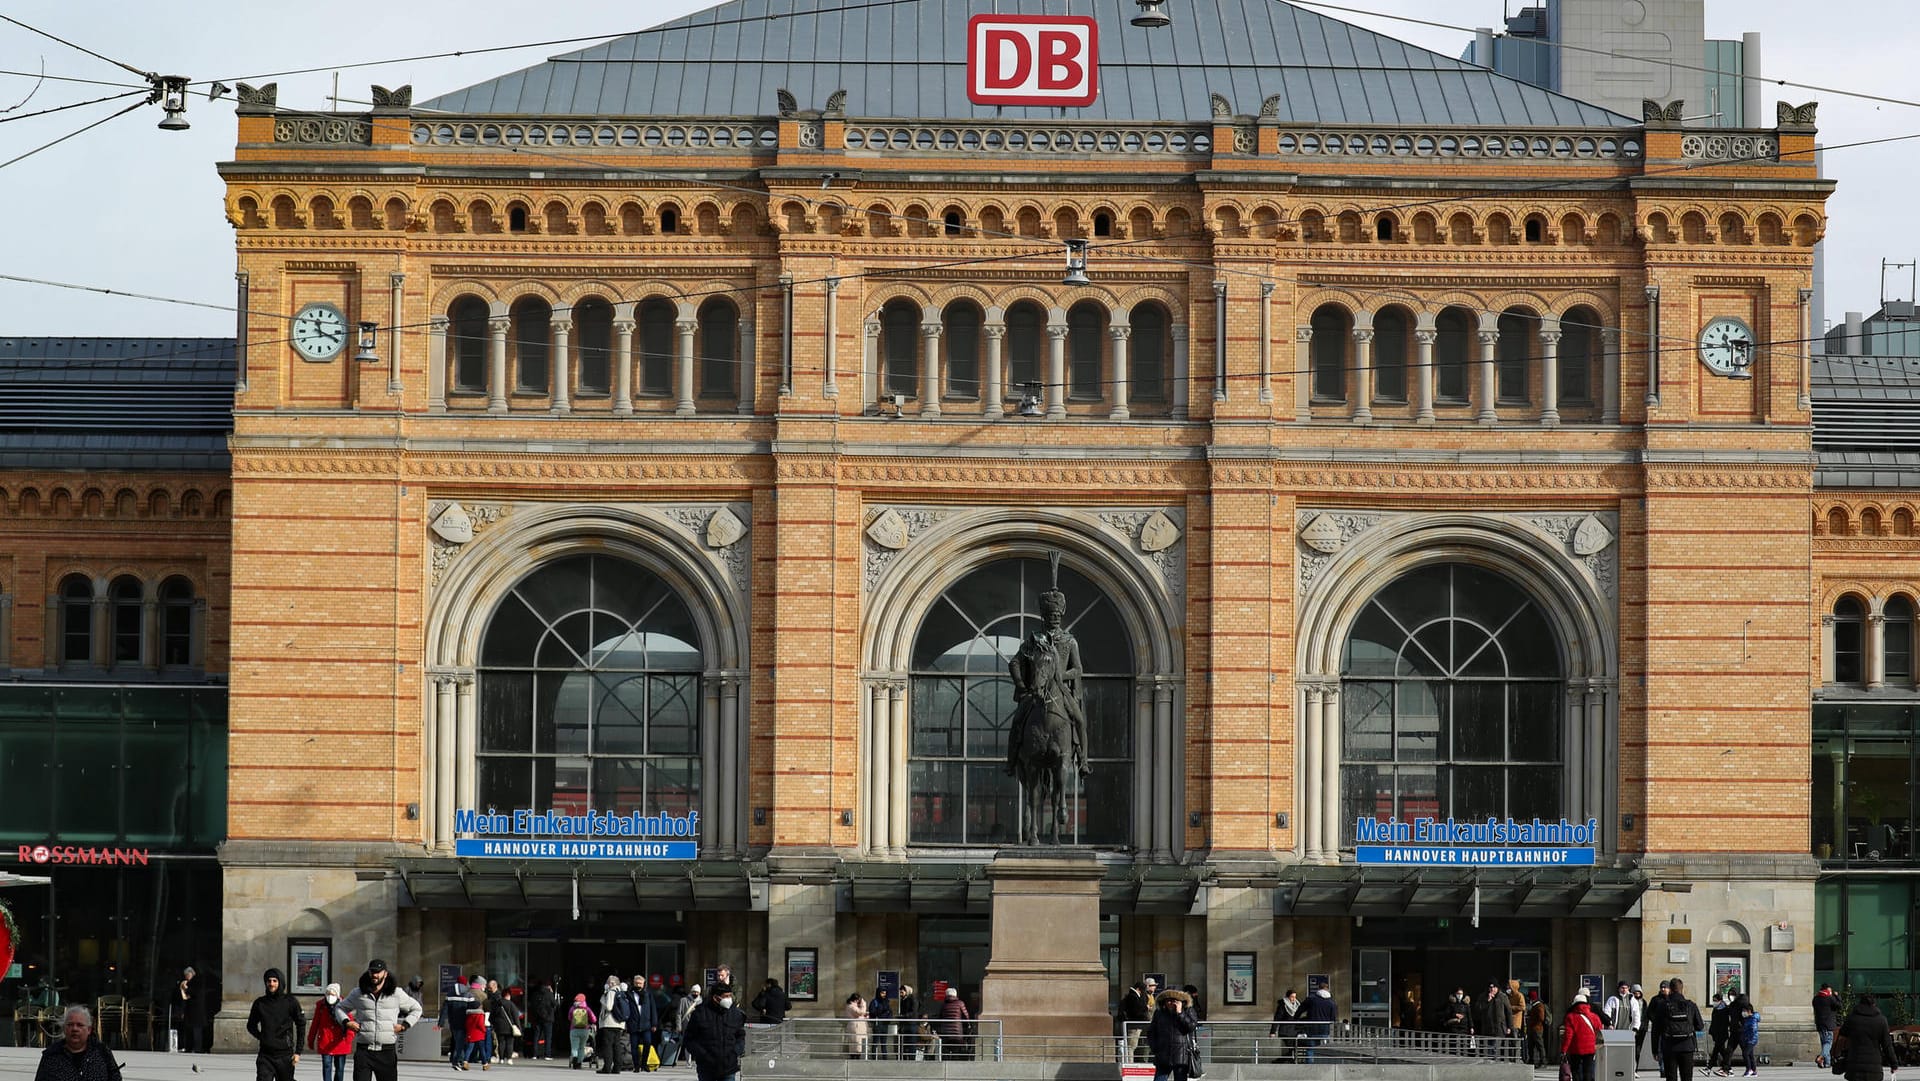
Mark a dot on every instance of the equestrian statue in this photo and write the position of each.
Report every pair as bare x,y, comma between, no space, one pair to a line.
1047,734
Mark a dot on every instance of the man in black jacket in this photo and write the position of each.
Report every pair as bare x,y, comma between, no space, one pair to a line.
1321,1015
82,1057
1826,1020
772,1003
1680,1024
280,1026
715,1032
1490,1013
1170,1036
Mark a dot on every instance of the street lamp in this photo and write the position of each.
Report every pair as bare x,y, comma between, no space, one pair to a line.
171,92
366,355
1150,17
1076,263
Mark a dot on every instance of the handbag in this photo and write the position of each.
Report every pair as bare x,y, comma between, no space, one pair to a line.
1838,1060
1566,1069
1194,1066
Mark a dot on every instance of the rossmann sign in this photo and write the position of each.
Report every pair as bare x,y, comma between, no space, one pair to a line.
1032,60
106,857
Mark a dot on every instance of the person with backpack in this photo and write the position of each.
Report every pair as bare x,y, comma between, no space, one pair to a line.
1536,1028
580,1023
611,1037
1680,1026
1580,1041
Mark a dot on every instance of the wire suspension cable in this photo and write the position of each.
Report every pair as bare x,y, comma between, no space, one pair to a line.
71,134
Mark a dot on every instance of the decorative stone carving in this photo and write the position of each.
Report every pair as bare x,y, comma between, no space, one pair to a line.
1322,534
1729,147
1655,113
1244,141
836,104
323,130
1796,116
1222,108
393,99
786,102
810,135
724,528
1158,533
1270,108
257,97
888,530
1592,537
453,525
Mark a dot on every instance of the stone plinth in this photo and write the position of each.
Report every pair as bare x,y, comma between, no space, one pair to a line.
1044,976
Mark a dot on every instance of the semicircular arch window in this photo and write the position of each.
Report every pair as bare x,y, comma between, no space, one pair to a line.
1450,703
589,693
962,698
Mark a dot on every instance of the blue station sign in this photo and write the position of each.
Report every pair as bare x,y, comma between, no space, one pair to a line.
1431,842
589,835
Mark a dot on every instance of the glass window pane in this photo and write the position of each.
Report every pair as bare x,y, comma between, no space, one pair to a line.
1877,915
1373,647
1421,734
1109,717
619,712
159,780
1423,792
1479,722
87,762
1899,654
560,587
619,785
1366,722
673,786
945,639
562,784
568,644
673,721
989,708
1365,792
26,746
512,634
1846,651
1106,805
1104,647
506,712
1533,722
561,725
992,806
1533,792
1478,792
937,717
935,811
504,784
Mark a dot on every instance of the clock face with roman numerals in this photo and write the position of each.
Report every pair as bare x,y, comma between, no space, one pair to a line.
1727,347
319,332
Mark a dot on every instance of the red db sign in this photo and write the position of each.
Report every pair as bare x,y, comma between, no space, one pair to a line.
1032,60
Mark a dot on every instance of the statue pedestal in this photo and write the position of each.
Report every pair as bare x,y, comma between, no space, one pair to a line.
1044,976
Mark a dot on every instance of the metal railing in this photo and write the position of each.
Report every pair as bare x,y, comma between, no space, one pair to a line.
1223,1042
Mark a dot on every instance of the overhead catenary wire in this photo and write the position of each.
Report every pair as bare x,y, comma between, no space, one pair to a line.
11,117
71,134
77,47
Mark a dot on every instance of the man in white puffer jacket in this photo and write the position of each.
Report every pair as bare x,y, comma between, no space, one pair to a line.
381,1011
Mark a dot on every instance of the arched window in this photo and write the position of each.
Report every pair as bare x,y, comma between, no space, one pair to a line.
962,345
467,341
1025,324
963,697
718,349
1450,703
176,622
900,349
1392,353
76,620
532,338
1517,330
656,319
1147,352
1579,344
1086,336
517,218
1452,348
589,688
593,325
128,620
1331,336
1849,640
1897,640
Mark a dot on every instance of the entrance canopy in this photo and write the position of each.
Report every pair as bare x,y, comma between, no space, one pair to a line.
655,885
8,878
1578,892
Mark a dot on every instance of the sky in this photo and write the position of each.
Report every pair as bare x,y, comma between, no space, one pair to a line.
130,208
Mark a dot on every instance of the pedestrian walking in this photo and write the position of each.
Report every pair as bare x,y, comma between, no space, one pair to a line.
1622,1009
190,1010
858,1027
772,1003
1536,1022
953,1027
1654,1024
580,1024
643,1025
1289,1023
1826,1020
1720,1031
687,1005
1679,1031
1747,1019
1516,1010
380,1011
479,1017
1321,1014
1170,1038
279,1026
542,1006
79,1056
329,1037
1863,1046
611,1036
1136,1010
713,1034
1580,1039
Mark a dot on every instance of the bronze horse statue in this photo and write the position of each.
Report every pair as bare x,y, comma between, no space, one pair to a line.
1047,733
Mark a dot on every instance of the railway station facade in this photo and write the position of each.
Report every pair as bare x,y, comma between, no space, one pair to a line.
1416,444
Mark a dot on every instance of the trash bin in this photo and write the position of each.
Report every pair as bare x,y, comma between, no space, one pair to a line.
421,1043
1615,1059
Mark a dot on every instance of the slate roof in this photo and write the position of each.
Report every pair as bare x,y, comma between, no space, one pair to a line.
116,403
908,60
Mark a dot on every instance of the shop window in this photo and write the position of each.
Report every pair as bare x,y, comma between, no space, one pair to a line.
718,349
531,340
76,620
593,325
1512,353
176,622
1392,352
1148,348
1451,703
1452,351
1849,633
1332,337
1897,649
962,699
589,688
657,318
467,342
900,349
961,344
1025,323
1086,338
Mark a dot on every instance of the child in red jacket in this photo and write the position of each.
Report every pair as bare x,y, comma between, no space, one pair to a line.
329,1037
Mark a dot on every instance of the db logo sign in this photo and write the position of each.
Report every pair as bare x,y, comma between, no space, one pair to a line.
1032,60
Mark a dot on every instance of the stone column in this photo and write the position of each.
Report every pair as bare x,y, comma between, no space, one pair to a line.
1550,372
1303,373
1182,371
870,387
437,364
1310,768
242,314
930,370
394,335
879,767
1056,371
1330,770
1826,646
831,387
711,764
439,804
1489,382
100,618
466,729
1805,400
683,403
623,327
56,644
1363,374
1145,766
897,790
1266,342
497,364
196,642
1598,757
1424,335
1610,375
1166,774
732,792
996,342
750,364
562,365
717,792
1573,722
150,633
1876,658
1119,336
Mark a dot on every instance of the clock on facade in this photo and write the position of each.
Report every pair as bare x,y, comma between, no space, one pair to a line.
319,332
1727,347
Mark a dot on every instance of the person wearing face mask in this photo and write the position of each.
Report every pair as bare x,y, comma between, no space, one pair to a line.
714,1033
329,1036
